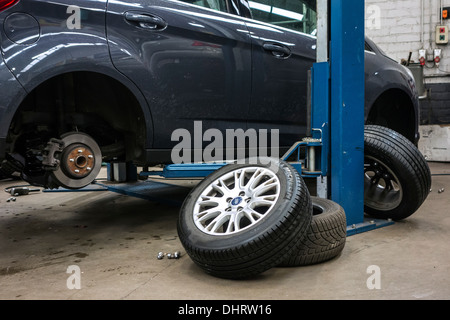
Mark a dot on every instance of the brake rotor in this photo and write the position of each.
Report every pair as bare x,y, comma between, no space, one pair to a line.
80,161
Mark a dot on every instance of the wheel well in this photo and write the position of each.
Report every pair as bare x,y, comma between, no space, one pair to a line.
394,110
88,102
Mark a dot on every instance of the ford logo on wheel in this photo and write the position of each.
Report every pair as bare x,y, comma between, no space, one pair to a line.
236,201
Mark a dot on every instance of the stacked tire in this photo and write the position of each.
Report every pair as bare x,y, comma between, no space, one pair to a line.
326,237
247,218
244,219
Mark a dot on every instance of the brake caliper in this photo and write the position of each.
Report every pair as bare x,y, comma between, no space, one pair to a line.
50,159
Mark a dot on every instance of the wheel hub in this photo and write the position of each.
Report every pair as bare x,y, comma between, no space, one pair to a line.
236,201
78,161
382,189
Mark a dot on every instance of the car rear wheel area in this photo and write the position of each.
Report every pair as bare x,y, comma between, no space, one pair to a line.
69,125
394,110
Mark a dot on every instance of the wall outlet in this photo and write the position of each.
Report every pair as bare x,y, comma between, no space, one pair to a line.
437,56
422,56
441,35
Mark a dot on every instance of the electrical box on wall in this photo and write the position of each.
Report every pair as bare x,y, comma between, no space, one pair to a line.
441,35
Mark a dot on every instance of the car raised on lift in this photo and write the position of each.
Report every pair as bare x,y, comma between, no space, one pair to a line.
85,82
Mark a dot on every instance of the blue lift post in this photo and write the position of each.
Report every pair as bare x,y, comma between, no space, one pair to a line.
347,106
347,50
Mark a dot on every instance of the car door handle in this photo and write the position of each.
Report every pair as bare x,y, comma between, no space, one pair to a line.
146,21
278,50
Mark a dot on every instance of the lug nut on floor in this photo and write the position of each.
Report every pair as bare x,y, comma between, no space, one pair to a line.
175,255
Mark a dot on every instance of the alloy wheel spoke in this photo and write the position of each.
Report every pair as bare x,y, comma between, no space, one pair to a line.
218,222
207,214
382,190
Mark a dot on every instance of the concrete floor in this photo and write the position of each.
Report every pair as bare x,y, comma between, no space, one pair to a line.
114,240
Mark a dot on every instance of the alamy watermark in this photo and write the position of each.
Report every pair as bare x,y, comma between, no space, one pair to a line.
374,280
373,17
74,20
233,144
74,280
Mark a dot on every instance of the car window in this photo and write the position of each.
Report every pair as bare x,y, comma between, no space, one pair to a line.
298,15
219,5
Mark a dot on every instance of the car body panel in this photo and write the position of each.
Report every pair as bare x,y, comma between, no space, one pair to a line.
279,83
60,49
197,67
12,93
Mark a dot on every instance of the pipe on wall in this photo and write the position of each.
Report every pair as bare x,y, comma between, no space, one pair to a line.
422,17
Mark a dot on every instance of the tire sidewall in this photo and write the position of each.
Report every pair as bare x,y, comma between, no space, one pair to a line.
329,209
324,240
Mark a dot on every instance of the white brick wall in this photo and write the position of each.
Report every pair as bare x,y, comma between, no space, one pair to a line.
397,27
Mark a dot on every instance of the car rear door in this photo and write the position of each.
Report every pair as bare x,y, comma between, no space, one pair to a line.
284,50
191,59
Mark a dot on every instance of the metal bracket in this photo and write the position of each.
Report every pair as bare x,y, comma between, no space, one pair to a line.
308,156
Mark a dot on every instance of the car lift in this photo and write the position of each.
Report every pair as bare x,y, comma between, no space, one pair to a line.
334,152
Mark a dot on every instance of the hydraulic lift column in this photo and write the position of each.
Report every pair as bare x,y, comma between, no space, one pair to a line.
347,106
338,100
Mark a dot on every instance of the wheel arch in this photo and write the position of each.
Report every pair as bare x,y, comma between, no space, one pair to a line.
395,109
97,94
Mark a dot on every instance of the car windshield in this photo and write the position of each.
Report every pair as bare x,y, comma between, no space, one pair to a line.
298,15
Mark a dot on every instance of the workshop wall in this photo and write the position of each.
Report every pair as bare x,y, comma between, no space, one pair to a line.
399,27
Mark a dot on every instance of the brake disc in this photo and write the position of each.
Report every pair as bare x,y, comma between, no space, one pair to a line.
80,161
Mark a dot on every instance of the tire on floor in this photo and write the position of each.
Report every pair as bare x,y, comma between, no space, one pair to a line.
244,219
325,238
397,177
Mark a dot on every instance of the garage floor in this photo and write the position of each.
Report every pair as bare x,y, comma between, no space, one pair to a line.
114,239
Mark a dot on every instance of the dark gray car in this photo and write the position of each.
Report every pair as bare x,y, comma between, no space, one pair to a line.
83,81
